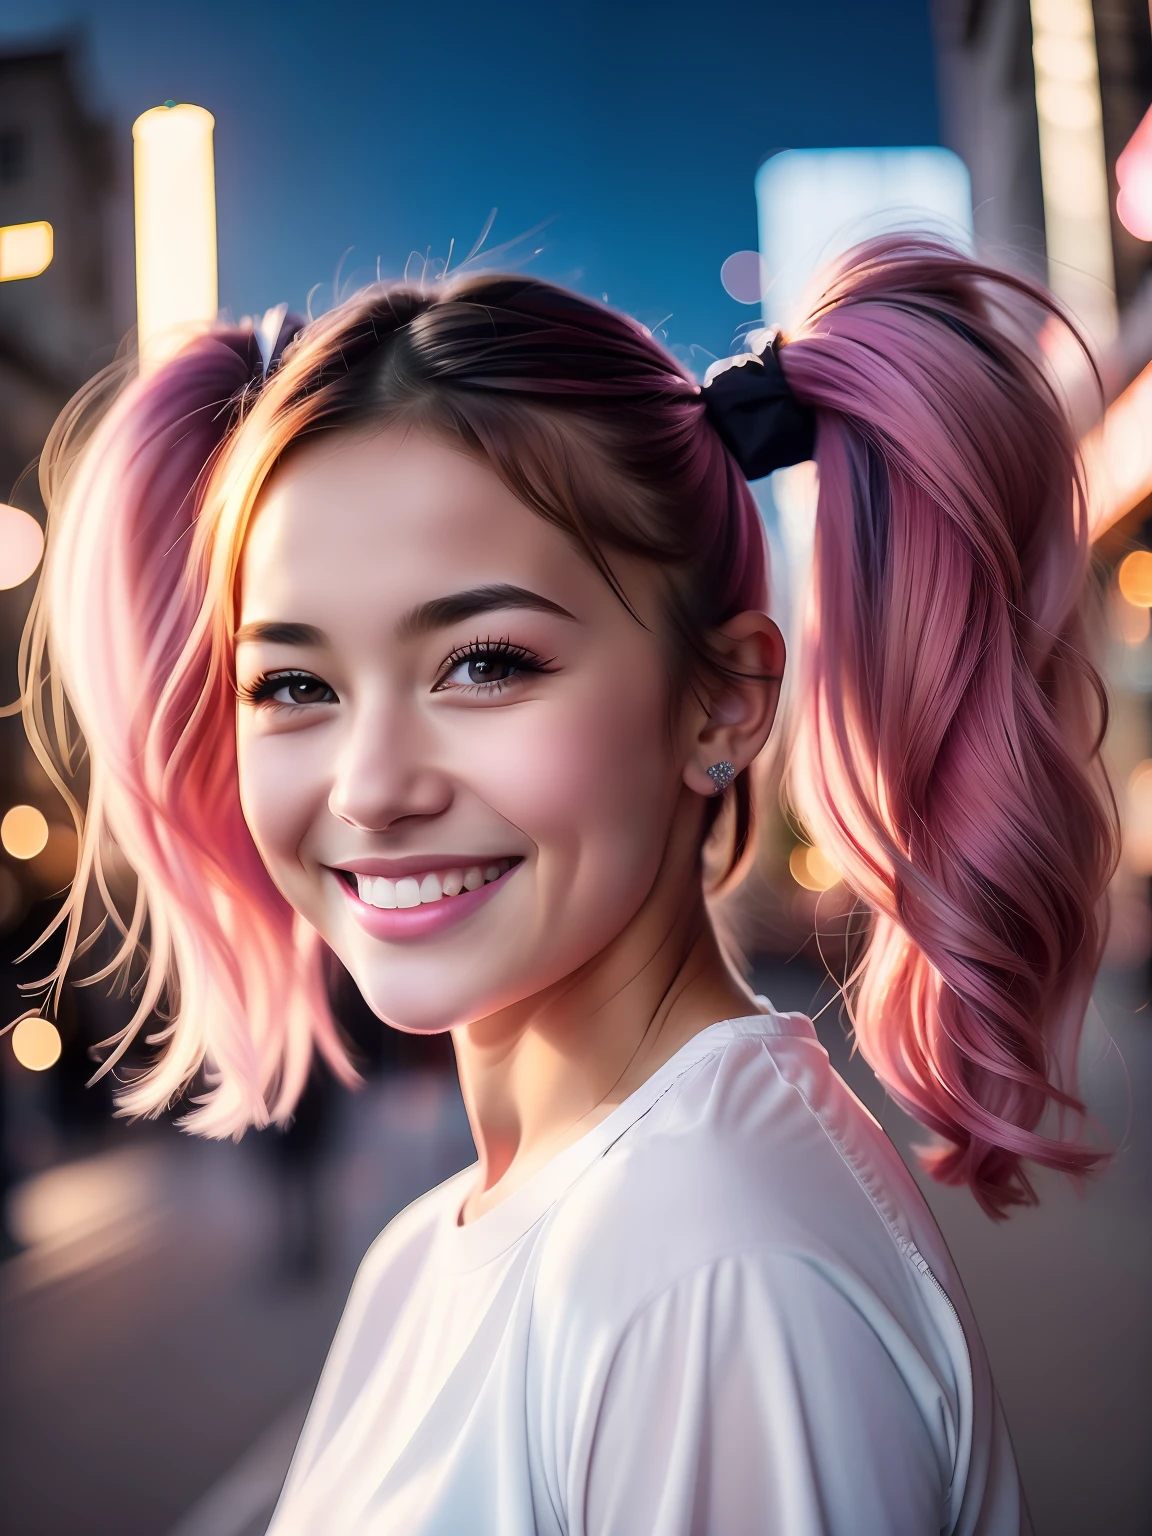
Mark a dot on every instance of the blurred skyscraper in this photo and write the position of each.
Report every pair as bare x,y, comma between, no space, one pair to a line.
56,163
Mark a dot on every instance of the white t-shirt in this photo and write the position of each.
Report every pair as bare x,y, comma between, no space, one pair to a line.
724,1310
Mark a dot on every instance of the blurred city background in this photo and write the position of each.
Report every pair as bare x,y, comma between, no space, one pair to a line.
166,1304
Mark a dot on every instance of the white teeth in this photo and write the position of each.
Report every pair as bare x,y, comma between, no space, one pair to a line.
413,891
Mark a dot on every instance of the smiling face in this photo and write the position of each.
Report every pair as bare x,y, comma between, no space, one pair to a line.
454,740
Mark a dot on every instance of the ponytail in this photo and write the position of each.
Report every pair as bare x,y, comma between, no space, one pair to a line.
947,751
118,630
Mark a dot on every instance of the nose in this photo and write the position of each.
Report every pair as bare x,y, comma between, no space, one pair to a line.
383,773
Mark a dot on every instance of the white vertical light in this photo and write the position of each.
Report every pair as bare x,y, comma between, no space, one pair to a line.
175,185
1073,167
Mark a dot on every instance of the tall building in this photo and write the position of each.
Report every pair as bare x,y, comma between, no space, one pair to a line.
56,164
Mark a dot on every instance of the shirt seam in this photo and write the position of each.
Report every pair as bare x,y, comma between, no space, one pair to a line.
901,1241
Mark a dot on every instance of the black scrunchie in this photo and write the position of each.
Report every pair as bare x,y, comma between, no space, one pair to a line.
759,419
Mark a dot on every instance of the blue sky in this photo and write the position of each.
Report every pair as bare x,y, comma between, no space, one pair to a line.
629,132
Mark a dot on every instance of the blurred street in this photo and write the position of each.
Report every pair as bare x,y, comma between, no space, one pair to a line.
160,1353
166,1303
155,1330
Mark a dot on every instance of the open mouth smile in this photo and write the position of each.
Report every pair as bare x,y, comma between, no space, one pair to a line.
423,902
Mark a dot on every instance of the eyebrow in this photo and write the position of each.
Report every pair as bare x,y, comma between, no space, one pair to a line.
437,613
442,611
279,633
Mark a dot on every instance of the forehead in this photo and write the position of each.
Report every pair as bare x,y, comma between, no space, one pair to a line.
377,521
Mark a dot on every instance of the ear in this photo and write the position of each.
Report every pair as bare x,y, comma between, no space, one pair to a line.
740,708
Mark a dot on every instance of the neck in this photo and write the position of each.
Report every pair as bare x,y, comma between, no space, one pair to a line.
537,1076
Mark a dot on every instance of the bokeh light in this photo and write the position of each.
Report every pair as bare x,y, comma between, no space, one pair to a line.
23,832
1138,823
175,186
1134,176
36,1044
1073,163
744,277
812,869
1135,578
25,250
1133,621
21,545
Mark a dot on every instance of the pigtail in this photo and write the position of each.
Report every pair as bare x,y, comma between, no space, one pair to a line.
118,646
947,750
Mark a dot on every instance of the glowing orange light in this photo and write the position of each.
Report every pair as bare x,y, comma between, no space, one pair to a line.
1135,578
812,869
25,250
1118,456
23,832
36,1044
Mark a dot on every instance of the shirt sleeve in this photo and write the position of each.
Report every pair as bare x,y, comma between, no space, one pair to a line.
754,1396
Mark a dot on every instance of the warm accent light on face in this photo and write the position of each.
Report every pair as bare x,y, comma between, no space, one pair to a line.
25,250
36,1044
812,869
21,545
1135,578
23,832
175,183
1073,169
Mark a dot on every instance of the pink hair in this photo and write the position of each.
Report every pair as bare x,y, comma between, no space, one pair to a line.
947,748
947,752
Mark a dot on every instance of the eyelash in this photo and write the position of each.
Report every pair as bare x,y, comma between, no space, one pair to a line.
504,650
261,690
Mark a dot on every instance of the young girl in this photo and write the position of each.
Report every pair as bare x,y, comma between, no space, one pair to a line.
435,635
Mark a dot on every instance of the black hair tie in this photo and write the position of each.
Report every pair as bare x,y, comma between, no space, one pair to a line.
759,419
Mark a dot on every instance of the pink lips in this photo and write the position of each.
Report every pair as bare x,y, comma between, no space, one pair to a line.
401,923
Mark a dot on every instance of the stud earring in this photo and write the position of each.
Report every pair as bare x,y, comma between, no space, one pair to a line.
722,774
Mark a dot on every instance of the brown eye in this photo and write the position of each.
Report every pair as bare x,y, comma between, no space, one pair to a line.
489,669
488,666
305,690
287,688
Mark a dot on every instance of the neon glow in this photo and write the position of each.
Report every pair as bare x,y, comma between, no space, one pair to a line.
175,183
1073,169
25,250
1118,456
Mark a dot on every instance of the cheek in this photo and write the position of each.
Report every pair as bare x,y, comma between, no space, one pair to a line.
278,795
591,779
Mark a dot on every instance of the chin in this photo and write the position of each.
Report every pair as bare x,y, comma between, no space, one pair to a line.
419,1003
